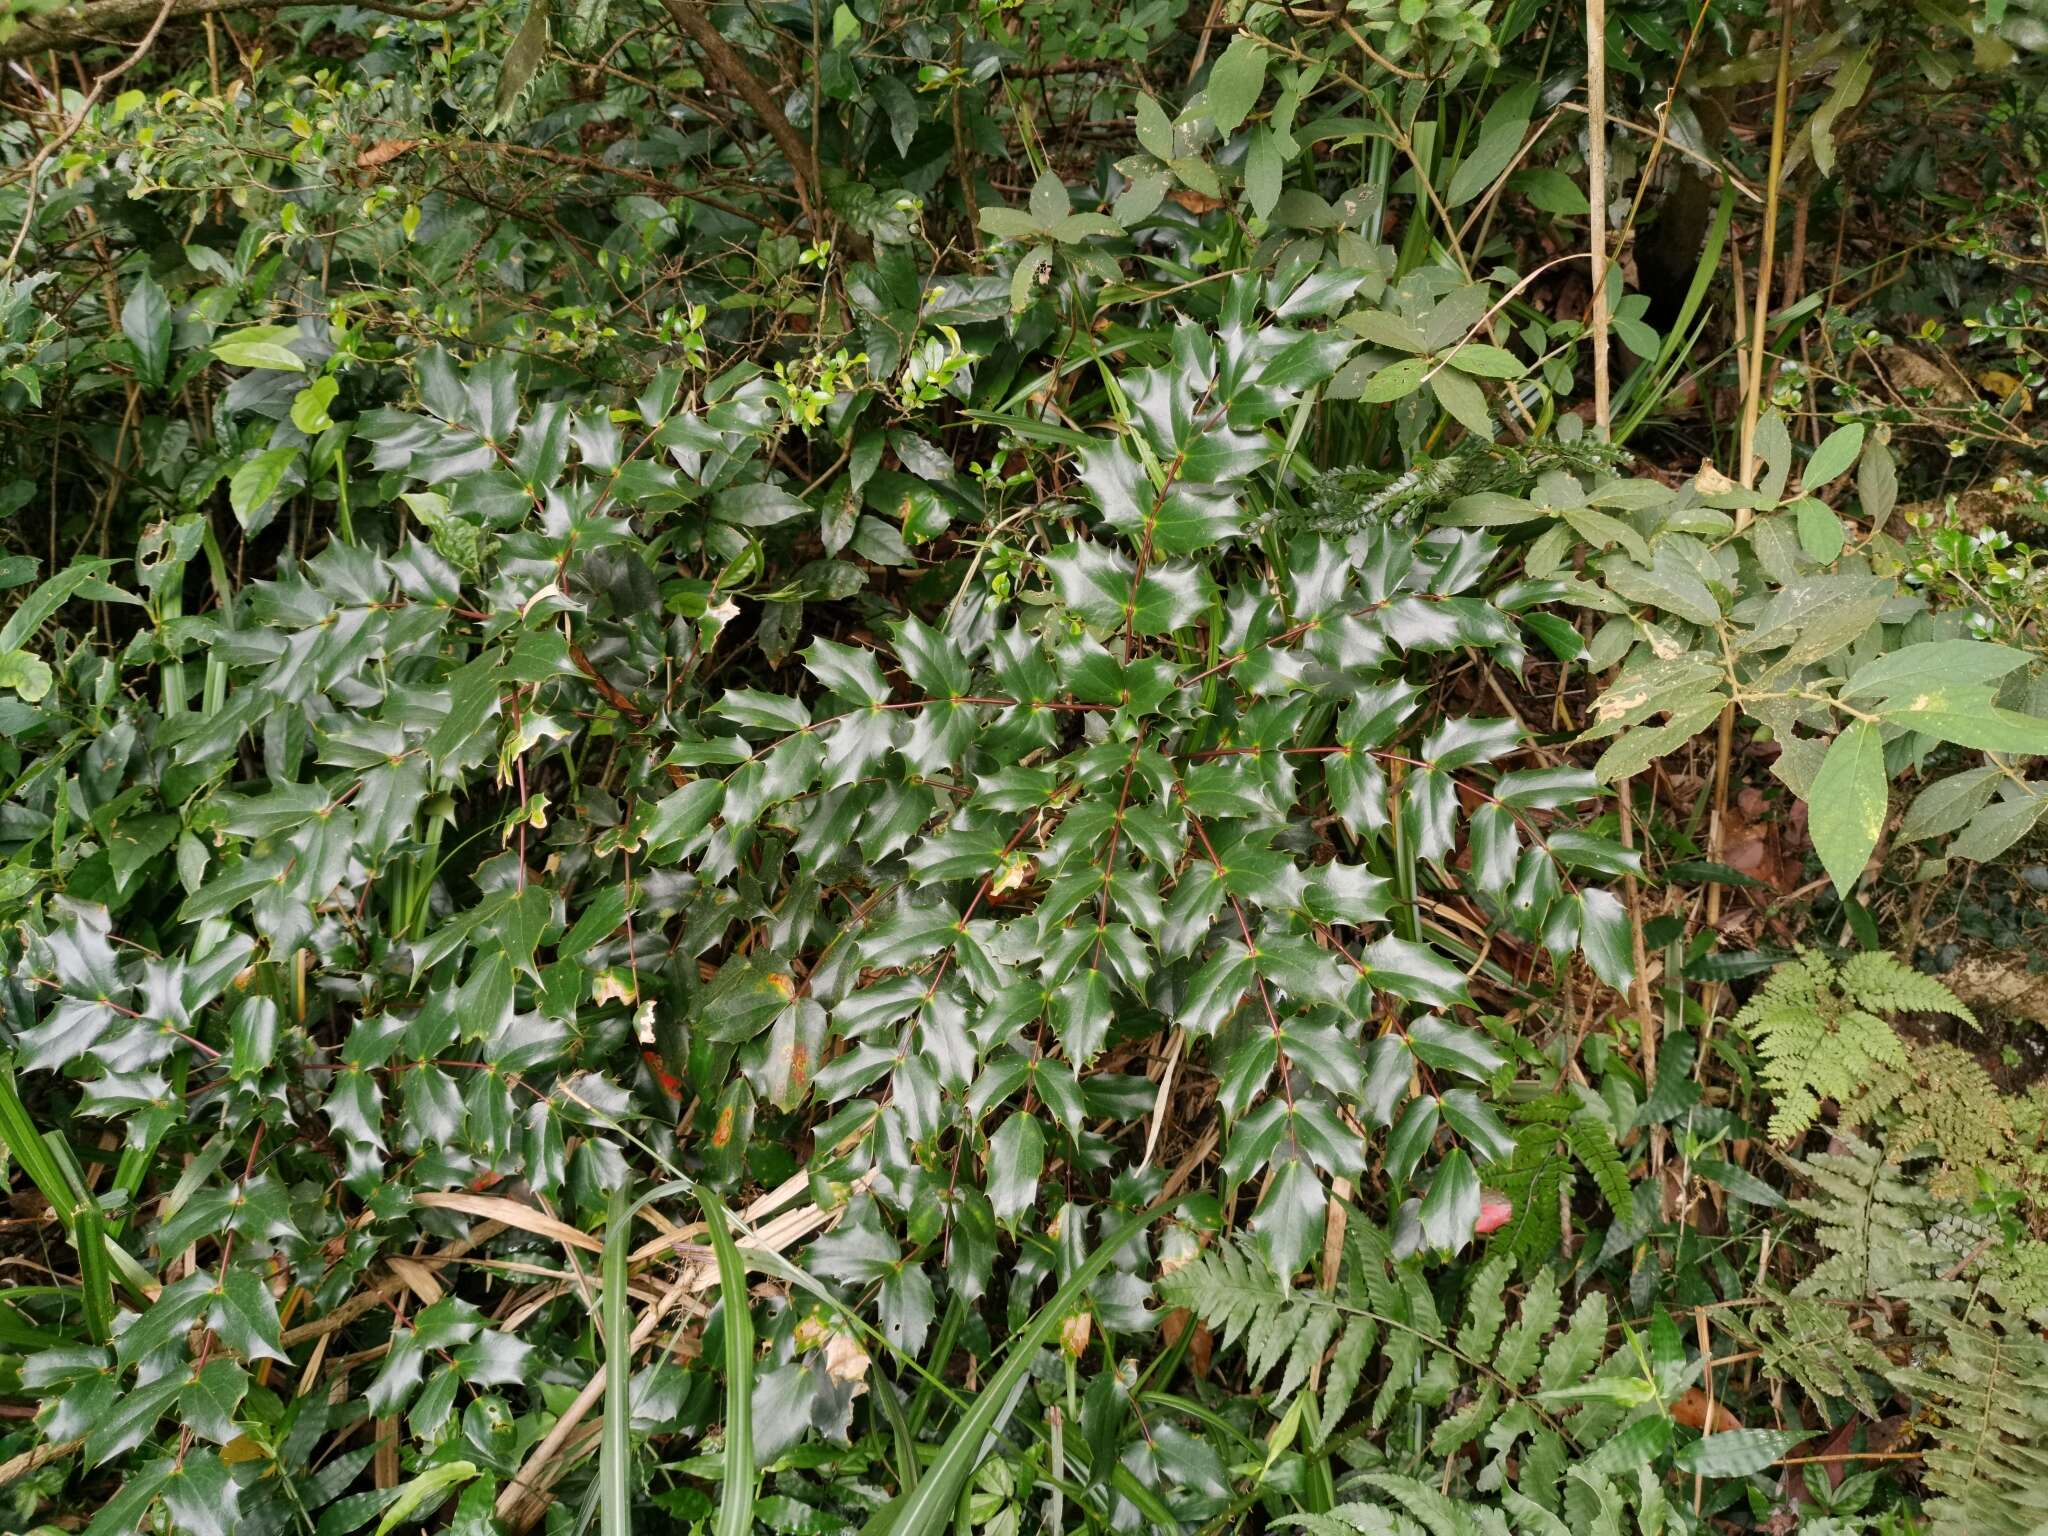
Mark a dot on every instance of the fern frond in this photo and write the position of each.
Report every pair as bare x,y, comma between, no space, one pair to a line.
1521,1347
1344,500
1533,1179
1532,1518
1435,1512
1471,1374
1372,1267
1818,1033
1228,1289
1484,1310
1347,1365
1540,1173
2018,1276
1268,1338
1817,1346
1543,1464
1234,1292
1453,1434
1875,1223
1305,1352
1574,1353
1951,1107
1351,1520
1592,1143
1419,1309
1988,1467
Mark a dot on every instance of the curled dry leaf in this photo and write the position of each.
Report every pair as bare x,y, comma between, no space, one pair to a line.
845,1360
1691,1411
1074,1335
1711,481
383,152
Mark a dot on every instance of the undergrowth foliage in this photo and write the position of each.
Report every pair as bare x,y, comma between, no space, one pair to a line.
925,768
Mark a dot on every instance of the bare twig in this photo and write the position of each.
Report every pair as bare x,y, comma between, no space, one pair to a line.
1202,47
1375,55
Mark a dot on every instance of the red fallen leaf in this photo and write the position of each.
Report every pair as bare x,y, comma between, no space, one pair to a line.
670,1085
1691,1411
1495,1211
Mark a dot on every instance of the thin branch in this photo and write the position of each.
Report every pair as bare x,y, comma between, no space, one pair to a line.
735,74
82,24
33,171
586,164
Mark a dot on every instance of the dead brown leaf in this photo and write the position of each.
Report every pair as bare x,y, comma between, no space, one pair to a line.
383,152
1691,1411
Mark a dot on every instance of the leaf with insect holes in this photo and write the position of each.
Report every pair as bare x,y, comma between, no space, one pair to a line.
1235,82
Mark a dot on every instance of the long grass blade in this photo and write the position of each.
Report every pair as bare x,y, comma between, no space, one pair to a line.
736,1499
614,1453
884,1392
76,1210
1644,387
614,1478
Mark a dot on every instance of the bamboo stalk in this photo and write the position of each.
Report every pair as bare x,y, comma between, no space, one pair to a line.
1596,197
1753,386
1752,408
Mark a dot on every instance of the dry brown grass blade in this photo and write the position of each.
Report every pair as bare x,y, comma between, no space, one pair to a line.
418,1278
513,1213
525,1498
